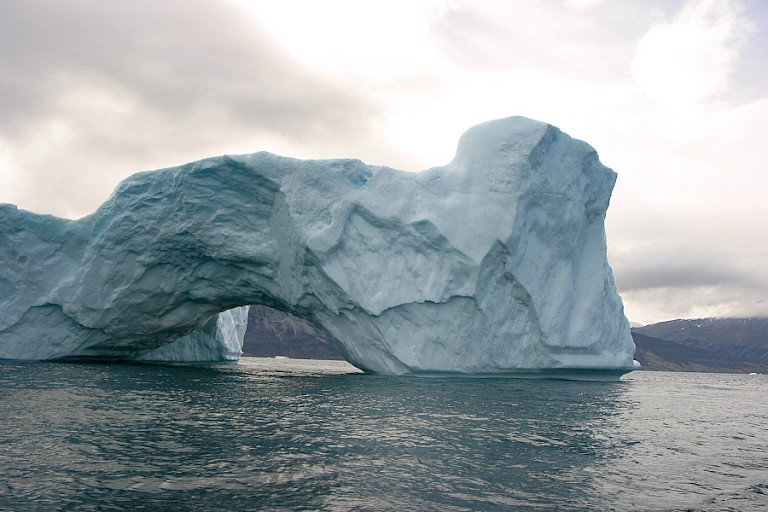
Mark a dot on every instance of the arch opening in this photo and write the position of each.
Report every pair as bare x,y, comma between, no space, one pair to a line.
274,333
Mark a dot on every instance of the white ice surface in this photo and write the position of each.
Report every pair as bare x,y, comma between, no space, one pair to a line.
494,263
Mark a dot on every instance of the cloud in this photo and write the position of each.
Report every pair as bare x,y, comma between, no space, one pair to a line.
534,36
91,88
581,4
691,57
686,222
661,304
696,265
176,57
671,95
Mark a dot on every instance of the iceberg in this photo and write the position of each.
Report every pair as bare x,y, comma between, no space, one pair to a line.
492,264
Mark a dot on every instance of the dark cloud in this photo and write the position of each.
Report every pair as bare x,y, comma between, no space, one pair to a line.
690,285
174,57
677,267
685,269
94,91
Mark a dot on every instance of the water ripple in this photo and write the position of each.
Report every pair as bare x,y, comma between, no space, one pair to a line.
292,435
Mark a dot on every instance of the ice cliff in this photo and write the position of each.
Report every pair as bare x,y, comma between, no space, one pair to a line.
494,263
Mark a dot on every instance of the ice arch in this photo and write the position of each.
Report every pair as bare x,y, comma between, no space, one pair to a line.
494,263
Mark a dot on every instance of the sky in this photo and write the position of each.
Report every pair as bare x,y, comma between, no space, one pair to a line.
673,95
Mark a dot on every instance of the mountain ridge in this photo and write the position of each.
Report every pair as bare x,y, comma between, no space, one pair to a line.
740,338
272,333
664,355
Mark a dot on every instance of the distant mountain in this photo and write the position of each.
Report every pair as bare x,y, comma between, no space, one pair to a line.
708,345
657,354
273,333
740,338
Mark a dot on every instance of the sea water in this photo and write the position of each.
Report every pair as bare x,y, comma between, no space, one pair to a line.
297,435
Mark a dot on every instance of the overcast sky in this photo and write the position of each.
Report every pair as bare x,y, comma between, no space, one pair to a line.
673,94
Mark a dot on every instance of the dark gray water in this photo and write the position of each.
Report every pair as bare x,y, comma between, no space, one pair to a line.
286,435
